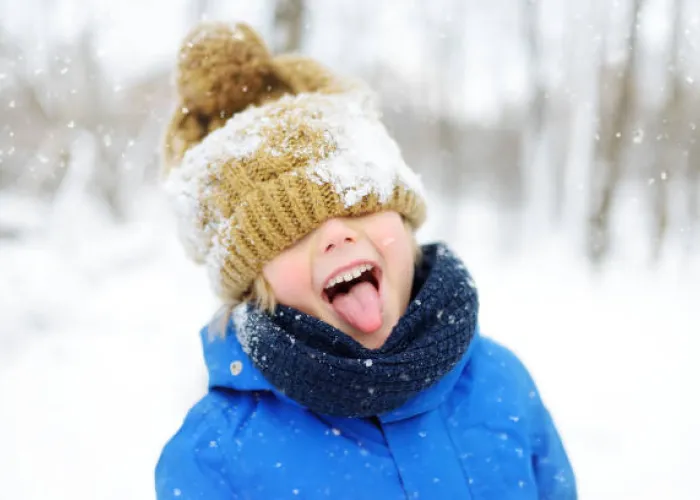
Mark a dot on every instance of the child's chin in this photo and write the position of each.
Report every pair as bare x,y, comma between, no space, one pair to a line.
375,339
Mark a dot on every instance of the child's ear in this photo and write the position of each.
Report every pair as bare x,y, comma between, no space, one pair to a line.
221,70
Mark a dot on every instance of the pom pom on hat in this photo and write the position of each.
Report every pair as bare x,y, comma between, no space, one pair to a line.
222,68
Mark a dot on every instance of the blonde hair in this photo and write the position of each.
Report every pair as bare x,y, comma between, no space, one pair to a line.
262,295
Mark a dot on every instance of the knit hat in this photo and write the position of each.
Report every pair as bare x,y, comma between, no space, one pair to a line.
262,149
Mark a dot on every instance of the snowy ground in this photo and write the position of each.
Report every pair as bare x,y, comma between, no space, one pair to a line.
99,356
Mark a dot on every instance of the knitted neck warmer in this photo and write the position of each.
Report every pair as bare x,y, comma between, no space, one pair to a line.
329,373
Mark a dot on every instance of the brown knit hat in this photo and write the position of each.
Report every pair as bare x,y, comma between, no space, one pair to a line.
262,150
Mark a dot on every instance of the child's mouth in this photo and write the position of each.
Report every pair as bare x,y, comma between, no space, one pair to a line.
354,296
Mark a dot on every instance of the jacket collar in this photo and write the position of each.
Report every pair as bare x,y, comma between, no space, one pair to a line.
230,368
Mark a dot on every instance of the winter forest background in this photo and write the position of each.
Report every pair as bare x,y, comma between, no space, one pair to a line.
560,145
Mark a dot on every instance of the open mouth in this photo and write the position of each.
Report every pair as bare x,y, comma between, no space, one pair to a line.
344,281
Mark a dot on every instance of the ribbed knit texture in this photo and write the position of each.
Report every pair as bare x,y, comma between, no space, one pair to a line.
328,372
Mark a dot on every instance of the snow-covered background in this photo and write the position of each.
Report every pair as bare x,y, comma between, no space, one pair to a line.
99,313
100,356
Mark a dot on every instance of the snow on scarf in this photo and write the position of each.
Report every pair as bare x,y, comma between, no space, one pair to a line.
328,372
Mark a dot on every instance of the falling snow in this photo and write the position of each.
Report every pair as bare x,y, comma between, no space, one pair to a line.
112,311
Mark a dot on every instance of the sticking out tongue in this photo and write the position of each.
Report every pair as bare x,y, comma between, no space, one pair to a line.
360,307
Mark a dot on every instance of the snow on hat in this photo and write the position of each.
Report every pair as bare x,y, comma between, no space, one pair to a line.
261,150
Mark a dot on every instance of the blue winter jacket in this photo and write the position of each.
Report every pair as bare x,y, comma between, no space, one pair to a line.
482,432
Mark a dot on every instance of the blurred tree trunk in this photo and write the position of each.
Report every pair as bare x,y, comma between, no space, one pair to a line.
667,155
561,116
690,148
93,117
545,133
436,143
288,25
532,133
693,178
449,74
559,135
616,99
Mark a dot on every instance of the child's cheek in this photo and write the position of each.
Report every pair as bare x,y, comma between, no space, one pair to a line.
387,233
294,285
388,241
381,234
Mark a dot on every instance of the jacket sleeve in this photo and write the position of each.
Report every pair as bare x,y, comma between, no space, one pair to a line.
191,466
553,472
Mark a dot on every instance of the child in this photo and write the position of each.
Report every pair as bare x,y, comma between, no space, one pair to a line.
351,365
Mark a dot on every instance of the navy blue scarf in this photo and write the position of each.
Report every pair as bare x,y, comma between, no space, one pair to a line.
328,372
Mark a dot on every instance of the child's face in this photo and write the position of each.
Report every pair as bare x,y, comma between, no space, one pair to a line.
369,305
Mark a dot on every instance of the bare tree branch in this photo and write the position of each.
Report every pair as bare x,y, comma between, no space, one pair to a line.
613,135
289,25
666,156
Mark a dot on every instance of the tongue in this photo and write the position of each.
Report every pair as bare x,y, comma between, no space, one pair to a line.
360,307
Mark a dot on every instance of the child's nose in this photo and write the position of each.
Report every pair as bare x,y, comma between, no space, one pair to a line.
336,233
